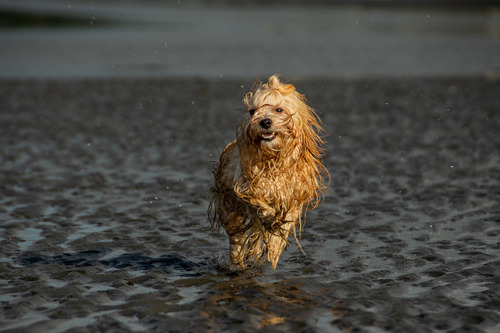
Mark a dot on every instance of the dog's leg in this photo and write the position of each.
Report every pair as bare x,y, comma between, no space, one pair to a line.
237,250
234,227
254,240
277,240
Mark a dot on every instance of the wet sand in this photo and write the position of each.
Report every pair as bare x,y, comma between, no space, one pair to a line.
103,196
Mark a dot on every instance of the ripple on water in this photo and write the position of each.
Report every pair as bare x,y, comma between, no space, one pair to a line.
28,236
106,210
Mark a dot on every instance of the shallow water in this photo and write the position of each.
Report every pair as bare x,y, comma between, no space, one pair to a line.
212,39
103,196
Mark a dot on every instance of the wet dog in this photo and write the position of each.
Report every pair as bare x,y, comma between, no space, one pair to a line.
270,175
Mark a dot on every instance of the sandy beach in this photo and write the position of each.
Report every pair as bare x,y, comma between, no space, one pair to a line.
104,188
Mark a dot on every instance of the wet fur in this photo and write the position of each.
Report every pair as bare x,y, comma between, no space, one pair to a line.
268,177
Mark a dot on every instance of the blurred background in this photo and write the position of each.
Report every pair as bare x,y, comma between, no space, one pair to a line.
213,39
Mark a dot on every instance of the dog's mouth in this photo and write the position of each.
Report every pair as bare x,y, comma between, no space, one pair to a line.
268,136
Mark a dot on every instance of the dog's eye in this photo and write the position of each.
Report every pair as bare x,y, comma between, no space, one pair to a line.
252,111
279,110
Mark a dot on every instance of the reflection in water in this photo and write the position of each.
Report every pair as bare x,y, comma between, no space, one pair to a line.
284,304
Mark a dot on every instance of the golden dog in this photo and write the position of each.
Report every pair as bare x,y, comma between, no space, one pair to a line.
270,175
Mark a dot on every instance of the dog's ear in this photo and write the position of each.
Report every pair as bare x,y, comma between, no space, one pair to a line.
287,89
275,83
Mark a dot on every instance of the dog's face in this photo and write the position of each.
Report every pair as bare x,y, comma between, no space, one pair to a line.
272,115
268,126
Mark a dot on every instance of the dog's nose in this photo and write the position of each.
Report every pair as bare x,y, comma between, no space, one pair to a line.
266,123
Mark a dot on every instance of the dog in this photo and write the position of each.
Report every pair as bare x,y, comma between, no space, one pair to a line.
270,175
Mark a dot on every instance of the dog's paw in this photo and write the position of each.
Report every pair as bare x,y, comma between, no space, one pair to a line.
266,213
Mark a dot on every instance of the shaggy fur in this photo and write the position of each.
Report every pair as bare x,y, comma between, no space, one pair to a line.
269,175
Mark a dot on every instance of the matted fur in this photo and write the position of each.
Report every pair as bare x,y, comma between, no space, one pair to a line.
270,175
